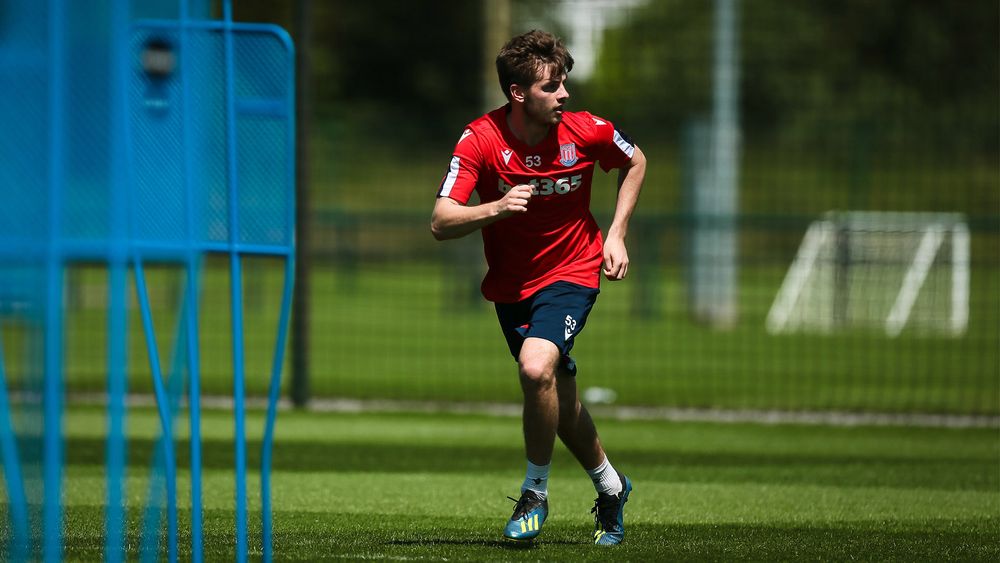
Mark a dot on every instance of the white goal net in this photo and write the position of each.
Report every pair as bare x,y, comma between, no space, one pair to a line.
884,270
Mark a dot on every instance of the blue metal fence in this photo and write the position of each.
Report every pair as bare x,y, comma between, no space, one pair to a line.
129,142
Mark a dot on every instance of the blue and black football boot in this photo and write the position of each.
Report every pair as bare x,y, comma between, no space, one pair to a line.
529,515
609,512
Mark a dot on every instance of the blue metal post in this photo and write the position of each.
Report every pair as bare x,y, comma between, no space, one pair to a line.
193,272
149,548
118,263
272,407
279,351
53,329
236,287
194,402
115,517
163,404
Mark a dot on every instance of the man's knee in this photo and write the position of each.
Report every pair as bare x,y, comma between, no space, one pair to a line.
537,372
538,364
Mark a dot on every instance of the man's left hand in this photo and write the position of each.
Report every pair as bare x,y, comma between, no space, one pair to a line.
615,259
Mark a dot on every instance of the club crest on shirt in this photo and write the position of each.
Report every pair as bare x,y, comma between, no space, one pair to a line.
567,154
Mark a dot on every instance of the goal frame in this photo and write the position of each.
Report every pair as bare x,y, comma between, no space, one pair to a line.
933,229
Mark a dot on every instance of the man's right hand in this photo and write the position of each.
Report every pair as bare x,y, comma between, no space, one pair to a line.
514,201
452,219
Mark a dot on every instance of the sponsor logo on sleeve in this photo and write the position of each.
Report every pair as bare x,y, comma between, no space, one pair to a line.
624,143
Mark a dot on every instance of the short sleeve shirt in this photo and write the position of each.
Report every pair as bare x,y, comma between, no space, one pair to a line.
557,239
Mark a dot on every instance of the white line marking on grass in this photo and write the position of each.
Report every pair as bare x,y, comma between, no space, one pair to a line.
676,414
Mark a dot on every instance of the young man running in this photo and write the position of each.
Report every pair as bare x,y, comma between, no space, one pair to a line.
531,163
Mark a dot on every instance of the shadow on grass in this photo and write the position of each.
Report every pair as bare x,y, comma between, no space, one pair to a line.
887,541
501,544
317,536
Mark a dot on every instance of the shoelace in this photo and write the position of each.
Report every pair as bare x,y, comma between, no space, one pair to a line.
605,515
521,506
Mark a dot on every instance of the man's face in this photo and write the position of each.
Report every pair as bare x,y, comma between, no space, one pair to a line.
544,100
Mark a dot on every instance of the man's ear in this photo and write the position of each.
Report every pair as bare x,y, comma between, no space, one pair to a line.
516,93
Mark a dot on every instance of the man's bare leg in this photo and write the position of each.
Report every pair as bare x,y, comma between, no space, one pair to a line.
538,363
576,429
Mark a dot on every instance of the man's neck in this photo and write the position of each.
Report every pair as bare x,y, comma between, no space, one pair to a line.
526,131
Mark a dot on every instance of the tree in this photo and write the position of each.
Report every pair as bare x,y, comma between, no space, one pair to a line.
807,64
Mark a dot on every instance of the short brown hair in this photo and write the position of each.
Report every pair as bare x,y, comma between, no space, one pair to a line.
522,59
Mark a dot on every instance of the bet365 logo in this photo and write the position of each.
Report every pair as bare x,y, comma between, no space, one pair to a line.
547,186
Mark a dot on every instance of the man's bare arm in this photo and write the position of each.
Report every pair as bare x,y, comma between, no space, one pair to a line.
451,219
629,185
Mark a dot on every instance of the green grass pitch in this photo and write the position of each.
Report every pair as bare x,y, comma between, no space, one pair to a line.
433,486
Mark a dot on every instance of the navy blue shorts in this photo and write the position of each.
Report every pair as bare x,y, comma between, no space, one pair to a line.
556,313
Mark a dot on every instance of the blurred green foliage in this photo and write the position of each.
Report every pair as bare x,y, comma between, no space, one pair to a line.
850,103
388,71
811,71
401,70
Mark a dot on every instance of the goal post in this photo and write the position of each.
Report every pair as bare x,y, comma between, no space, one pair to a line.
879,270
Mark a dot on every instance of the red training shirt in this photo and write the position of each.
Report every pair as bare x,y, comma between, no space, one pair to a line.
557,239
